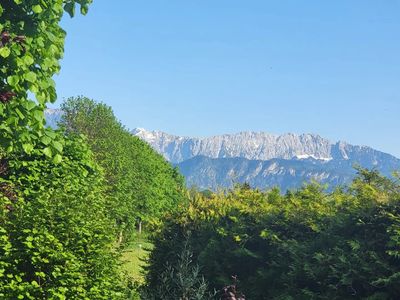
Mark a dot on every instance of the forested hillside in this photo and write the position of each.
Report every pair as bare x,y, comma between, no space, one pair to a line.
222,173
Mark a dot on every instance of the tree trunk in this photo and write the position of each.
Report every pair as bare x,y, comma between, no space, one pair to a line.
140,227
121,237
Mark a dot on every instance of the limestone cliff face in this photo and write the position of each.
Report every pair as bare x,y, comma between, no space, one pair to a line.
257,146
265,160
250,145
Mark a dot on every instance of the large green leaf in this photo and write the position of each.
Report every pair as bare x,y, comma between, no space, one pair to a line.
70,8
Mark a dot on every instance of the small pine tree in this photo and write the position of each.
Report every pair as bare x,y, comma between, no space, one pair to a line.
181,281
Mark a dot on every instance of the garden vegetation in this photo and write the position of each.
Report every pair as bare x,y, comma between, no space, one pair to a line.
71,199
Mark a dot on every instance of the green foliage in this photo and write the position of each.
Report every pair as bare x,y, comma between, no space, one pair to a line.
31,45
142,185
181,281
60,214
55,229
56,233
307,244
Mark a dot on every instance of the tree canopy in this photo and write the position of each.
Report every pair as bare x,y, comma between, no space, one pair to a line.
31,46
142,185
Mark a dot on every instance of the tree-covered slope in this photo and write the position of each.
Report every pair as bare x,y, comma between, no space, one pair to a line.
213,173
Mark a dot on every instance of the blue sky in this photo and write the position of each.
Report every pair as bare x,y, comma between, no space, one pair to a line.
209,67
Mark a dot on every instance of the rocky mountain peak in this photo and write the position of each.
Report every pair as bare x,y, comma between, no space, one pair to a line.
249,145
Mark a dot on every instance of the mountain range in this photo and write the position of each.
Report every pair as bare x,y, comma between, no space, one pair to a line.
266,160
53,116
261,159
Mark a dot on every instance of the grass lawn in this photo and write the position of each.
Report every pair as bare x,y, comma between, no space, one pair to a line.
134,255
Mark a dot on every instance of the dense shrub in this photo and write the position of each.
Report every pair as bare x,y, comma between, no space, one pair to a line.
56,237
306,244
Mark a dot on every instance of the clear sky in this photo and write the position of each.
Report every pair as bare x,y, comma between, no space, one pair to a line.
207,67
